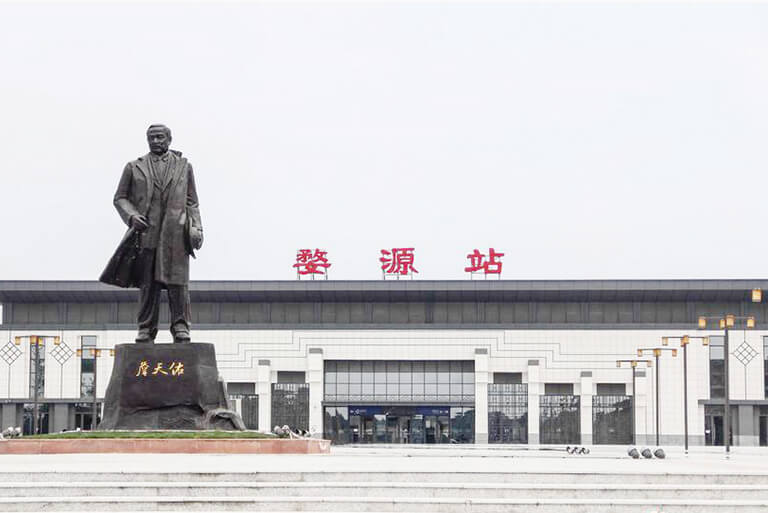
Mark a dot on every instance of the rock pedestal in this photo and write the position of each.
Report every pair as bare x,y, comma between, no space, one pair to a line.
167,386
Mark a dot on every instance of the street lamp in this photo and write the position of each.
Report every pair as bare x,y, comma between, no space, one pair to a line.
633,366
657,354
725,323
684,341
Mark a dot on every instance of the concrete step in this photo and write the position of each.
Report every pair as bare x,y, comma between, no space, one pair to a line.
384,490
641,477
338,505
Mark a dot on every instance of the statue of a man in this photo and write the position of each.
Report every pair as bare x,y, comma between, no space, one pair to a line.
156,198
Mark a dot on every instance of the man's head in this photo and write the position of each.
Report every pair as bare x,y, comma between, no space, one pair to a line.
159,138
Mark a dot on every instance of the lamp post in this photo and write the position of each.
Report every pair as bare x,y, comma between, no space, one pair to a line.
633,366
684,341
657,354
725,323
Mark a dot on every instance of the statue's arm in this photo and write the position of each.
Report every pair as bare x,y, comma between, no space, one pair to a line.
193,208
122,201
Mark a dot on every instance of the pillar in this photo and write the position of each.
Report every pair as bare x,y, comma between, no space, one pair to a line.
264,389
481,395
315,380
60,417
8,416
586,407
534,390
746,433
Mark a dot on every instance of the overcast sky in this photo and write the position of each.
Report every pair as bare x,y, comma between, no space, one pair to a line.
583,141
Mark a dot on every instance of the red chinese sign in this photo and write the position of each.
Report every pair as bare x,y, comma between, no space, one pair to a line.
397,261
488,265
311,262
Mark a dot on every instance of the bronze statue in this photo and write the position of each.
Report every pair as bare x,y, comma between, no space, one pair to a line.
157,199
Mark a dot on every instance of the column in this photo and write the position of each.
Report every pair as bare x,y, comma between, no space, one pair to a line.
264,389
60,417
8,416
481,395
534,390
315,380
586,407
746,434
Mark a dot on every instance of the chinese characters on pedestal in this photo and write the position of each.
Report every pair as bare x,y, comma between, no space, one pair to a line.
145,369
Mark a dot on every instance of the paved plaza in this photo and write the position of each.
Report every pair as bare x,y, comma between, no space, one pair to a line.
404,479
416,459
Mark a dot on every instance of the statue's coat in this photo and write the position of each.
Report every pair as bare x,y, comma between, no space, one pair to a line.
182,214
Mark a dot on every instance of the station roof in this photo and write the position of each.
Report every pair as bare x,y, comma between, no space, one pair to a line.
399,291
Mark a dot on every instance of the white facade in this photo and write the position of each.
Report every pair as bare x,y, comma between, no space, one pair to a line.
582,357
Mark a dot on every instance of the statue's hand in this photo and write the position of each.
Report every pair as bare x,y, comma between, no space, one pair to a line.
139,223
196,236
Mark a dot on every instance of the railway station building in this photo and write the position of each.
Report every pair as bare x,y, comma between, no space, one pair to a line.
413,361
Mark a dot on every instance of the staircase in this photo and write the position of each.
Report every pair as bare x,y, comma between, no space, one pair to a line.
348,492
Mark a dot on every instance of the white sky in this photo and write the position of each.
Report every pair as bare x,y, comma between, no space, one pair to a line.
584,141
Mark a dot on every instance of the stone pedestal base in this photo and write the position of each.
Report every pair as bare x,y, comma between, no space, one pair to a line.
167,386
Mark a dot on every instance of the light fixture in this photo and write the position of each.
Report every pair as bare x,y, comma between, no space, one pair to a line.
79,352
722,324
702,322
685,340
705,341
657,352
17,341
111,352
56,341
618,364
730,320
639,352
757,295
664,341
634,363
750,322
649,363
674,352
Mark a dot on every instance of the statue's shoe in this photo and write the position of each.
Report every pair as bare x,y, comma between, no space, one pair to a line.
144,337
181,337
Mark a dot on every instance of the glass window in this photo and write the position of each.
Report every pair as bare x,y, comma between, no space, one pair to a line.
290,405
611,418
616,389
765,367
716,367
450,381
559,419
507,413
417,370
36,366
558,388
